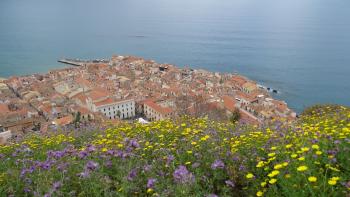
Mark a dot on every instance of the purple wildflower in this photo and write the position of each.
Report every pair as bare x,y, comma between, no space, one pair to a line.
90,148
147,168
110,152
56,154
134,143
26,190
337,142
217,164
56,185
230,183
108,164
151,182
182,175
241,168
82,154
236,158
62,167
91,165
170,158
84,174
132,174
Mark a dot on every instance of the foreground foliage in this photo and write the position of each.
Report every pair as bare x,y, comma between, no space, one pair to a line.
191,157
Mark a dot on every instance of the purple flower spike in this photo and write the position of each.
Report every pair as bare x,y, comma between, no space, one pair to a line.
134,143
132,175
91,165
229,183
57,185
182,175
217,164
151,182
84,174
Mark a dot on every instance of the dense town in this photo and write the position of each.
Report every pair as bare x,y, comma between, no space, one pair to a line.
128,88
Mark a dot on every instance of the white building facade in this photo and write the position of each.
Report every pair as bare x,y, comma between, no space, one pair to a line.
117,110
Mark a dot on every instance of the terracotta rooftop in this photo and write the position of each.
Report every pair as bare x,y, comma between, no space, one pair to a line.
104,102
158,108
64,121
98,93
4,109
229,103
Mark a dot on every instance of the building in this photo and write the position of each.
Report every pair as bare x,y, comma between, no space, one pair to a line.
4,135
120,109
99,100
155,112
249,87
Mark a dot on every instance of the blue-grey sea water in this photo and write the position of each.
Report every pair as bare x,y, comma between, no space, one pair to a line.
299,47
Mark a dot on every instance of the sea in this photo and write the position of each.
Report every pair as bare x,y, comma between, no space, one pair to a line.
299,47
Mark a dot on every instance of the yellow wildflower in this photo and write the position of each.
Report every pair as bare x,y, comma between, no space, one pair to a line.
332,182
312,179
260,164
271,154
273,181
302,168
301,158
305,149
259,193
273,173
289,146
249,176
278,166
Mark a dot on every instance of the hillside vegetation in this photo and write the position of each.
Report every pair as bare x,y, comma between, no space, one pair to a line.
188,157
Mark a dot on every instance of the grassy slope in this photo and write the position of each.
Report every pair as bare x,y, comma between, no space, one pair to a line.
190,157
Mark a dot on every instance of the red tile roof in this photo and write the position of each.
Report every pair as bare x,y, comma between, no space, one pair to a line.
98,93
4,109
64,121
158,108
229,103
104,102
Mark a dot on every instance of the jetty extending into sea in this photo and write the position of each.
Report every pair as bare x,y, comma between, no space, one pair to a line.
79,62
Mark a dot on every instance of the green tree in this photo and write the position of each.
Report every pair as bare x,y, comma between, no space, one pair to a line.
77,118
118,114
236,115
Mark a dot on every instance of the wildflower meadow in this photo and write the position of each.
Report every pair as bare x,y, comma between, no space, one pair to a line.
186,157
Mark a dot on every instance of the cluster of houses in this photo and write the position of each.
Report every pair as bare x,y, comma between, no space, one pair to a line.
128,87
